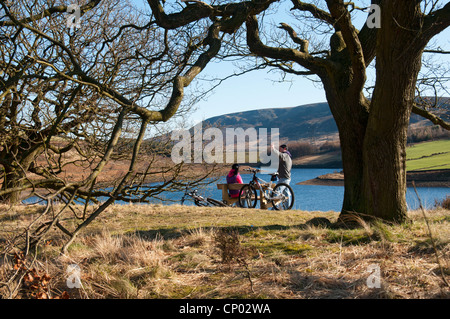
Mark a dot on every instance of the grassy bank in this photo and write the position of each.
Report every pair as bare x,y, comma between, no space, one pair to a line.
428,156
423,156
152,251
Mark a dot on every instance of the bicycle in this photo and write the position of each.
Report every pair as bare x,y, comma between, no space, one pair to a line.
281,196
200,200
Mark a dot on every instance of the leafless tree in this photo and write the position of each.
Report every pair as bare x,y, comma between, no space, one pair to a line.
75,100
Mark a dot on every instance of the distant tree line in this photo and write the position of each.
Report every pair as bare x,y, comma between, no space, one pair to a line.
415,135
427,134
303,148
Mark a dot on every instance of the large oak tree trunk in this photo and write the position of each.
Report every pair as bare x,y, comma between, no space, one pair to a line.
398,64
350,114
351,139
350,111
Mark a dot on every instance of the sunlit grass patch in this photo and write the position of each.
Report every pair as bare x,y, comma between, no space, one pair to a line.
188,252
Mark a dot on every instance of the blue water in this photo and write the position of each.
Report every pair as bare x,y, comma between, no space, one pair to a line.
326,198
316,197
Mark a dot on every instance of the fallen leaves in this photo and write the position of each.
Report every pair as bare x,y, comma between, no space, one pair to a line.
36,285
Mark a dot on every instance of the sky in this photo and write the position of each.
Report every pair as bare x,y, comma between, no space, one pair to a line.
255,90
262,89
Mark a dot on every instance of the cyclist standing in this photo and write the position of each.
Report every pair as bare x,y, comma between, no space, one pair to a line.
284,163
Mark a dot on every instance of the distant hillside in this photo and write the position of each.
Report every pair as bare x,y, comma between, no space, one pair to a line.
312,122
309,121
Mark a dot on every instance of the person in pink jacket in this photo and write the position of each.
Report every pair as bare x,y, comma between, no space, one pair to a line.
234,177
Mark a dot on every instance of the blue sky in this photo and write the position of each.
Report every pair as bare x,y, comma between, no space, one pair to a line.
255,90
262,89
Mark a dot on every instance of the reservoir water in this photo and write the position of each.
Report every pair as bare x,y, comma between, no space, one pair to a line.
310,197
326,198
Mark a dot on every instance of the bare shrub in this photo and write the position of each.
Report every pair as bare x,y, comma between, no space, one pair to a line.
229,245
298,148
330,146
445,203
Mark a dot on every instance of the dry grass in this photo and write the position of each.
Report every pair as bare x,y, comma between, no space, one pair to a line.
155,251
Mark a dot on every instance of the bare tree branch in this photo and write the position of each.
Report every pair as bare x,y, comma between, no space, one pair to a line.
314,10
430,116
314,64
350,35
303,43
48,12
435,22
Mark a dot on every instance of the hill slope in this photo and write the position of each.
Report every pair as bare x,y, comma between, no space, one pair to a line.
312,122
301,122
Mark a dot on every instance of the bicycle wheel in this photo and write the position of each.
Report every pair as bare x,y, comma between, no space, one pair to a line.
215,202
283,197
248,197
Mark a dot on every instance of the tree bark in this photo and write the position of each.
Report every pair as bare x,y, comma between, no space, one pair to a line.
398,64
343,83
13,180
351,117
15,172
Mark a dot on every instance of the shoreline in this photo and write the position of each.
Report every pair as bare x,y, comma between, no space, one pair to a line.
432,178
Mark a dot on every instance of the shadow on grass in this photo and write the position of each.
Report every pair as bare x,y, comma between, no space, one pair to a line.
176,232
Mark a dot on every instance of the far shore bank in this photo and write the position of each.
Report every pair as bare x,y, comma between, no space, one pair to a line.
431,178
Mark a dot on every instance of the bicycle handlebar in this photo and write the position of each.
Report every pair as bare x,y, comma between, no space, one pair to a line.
257,170
252,169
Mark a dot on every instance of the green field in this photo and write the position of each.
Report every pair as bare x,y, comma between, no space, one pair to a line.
428,156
